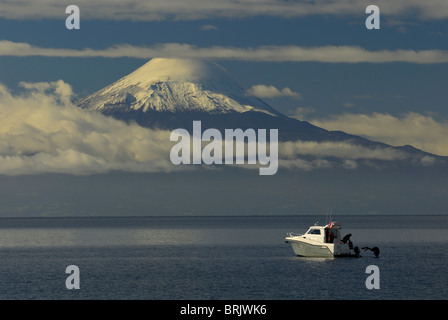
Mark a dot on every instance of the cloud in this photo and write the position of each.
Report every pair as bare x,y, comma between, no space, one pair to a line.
264,91
348,105
156,10
313,155
301,113
342,150
327,54
41,131
208,27
421,131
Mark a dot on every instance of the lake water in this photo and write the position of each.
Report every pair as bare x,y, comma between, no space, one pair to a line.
218,258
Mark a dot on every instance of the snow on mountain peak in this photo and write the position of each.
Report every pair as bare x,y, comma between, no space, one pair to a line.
172,85
170,69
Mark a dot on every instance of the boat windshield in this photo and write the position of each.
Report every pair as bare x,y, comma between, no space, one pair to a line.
313,231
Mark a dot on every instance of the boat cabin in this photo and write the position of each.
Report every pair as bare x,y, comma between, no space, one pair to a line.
327,234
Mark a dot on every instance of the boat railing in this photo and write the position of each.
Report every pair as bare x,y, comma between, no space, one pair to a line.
293,234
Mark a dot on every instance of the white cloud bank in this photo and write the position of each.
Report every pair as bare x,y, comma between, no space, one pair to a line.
41,131
264,91
421,131
156,10
327,54
296,155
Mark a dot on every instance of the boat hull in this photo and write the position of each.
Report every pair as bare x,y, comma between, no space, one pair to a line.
303,249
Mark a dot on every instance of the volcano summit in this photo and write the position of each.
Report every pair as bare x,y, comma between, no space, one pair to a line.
167,93
175,85
170,93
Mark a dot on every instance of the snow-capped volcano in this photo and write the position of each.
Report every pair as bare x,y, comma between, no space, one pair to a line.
172,93
175,85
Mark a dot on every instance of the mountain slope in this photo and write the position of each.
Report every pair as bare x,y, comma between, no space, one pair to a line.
172,93
175,85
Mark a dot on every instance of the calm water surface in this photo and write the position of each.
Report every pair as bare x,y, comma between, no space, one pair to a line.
218,258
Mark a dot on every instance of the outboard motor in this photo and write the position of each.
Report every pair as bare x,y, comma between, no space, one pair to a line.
357,251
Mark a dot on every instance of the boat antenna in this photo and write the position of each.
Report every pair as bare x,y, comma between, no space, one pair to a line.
328,218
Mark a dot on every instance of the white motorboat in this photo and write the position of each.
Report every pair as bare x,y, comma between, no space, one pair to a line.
322,241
